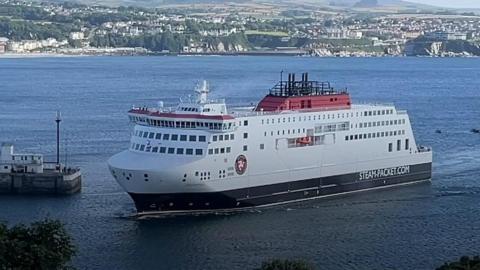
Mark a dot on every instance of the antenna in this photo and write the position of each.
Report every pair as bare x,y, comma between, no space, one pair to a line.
202,90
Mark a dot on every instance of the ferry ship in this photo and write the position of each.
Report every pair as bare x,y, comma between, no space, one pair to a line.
303,140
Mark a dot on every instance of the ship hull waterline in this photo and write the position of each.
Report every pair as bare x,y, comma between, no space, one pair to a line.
271,195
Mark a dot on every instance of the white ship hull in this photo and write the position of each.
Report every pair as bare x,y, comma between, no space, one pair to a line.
275,171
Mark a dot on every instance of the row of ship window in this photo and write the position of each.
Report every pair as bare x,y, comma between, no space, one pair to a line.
374,135
222,150
189,124
382,123
318,129
171,137
282,132
377,112
166,150
325,116
399,145
223,137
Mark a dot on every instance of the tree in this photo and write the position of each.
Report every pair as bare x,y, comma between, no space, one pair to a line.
465,263
286,265
42,245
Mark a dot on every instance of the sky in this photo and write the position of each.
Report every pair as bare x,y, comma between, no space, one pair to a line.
451,3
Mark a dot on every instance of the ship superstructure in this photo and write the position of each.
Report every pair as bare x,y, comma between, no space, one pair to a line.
303,140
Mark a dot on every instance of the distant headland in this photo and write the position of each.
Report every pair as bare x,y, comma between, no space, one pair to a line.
351,28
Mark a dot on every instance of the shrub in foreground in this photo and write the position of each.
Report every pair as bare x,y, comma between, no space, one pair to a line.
465,263
42,245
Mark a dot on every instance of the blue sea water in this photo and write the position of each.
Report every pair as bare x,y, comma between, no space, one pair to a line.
416,227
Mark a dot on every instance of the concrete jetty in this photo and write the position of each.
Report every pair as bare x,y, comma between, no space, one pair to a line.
28,174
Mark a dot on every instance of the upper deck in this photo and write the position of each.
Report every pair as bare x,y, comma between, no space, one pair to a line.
303,94
287,97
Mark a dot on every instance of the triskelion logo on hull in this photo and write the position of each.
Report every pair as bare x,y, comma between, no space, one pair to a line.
241,164
381,173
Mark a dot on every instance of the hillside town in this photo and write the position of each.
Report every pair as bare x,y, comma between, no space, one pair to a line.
75,29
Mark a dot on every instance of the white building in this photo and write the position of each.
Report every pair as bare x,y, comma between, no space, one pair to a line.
336,33
14,162
442,35
3,44
76,35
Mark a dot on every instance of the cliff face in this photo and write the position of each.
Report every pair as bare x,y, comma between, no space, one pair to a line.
222,47
423,47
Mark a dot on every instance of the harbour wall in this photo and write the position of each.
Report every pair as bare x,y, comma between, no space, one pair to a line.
40,183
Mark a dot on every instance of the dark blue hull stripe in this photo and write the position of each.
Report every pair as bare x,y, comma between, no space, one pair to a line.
275,193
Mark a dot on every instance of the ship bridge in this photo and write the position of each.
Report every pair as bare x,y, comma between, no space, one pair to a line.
199,113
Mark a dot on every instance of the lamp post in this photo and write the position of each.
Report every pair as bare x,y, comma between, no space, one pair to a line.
58,120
